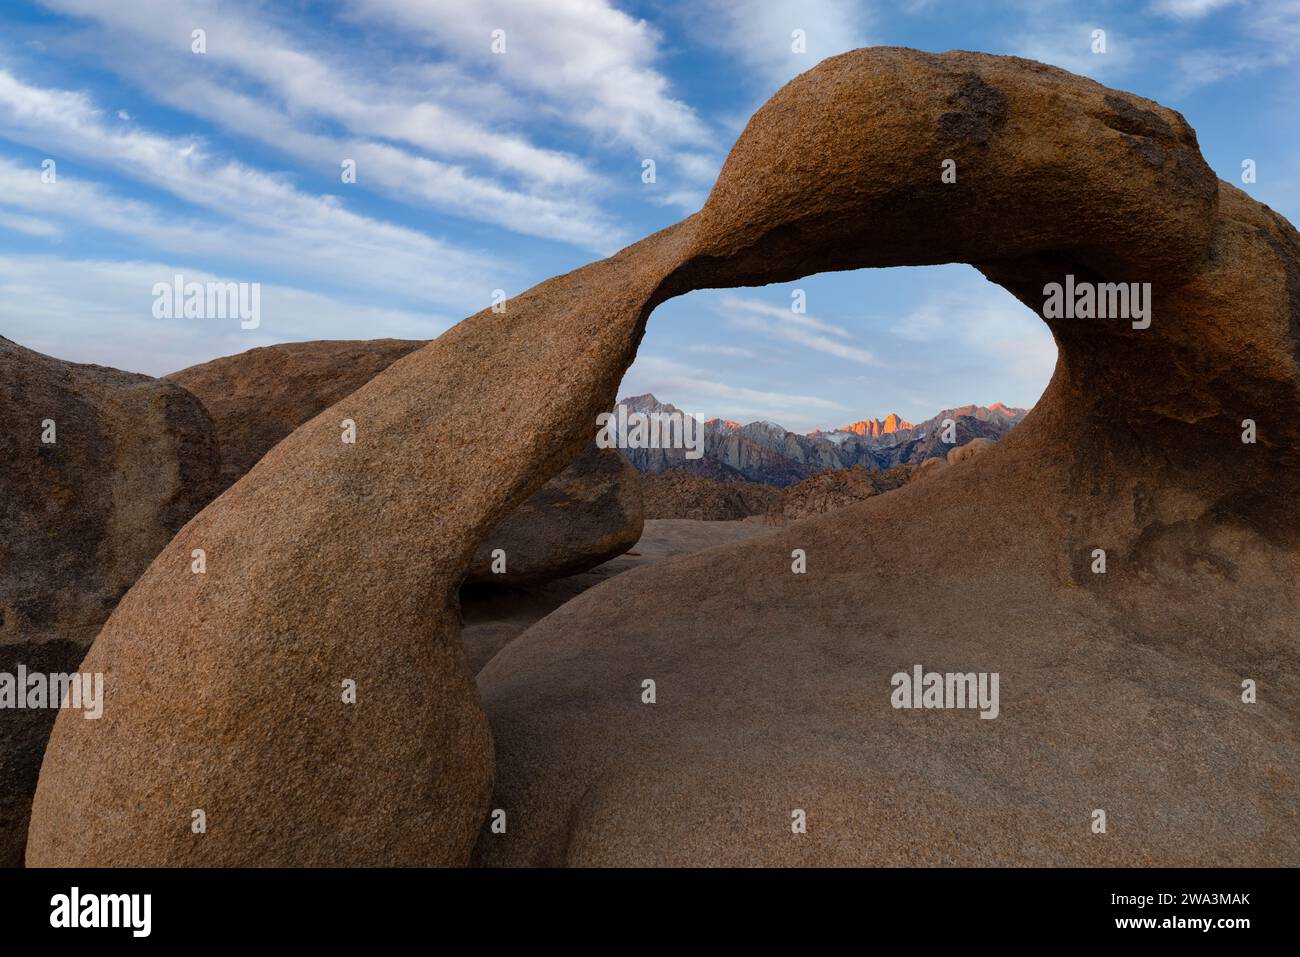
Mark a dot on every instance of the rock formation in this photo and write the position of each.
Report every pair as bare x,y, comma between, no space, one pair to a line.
101,468
937,442
493,617
968,451
586,515
258,397
877,428
681,494
1120,691
831,491
994,421
927,468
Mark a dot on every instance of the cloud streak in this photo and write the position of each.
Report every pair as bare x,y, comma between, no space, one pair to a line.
256,81
100,311
697,390
798,328
255,216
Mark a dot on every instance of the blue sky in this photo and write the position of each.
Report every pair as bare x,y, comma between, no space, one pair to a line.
479,171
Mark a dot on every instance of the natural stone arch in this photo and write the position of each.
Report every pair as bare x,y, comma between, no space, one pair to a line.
344,561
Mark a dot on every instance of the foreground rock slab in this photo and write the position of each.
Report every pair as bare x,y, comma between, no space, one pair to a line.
493,617
303,700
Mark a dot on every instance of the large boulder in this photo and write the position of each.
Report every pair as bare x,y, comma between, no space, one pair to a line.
132,458
928,468
964,453
258,397
1121,691
938,441
838,489
680,494
337,724
586,515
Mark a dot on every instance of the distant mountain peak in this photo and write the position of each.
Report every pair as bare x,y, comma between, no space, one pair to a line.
647,403
1009,410
874,428
767,452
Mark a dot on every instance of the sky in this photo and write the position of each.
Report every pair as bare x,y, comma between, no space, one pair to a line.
479,171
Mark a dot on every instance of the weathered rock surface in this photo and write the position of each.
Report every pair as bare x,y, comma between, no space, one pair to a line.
681,494
968,451
927,468
328,568
1119,691
132,459
589,513
493,617
931,444
831,491
258,397
774,688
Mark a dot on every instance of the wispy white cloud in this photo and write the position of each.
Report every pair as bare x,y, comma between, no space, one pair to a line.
783,313
247,41
594,63
1267,38
101,311
687,200
735,352
1199,68
693,390
1190,9
29,225
402,175
258,216
761,33
580,64
1069,45
799,328
984,322
261,81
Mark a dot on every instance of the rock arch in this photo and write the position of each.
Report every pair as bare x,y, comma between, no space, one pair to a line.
333,561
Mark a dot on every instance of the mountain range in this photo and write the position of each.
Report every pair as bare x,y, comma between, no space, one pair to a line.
767,452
